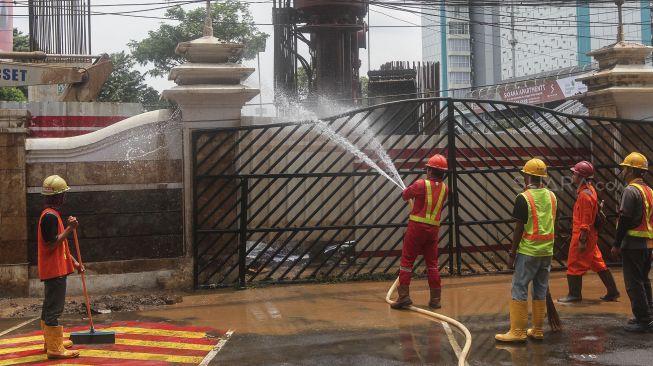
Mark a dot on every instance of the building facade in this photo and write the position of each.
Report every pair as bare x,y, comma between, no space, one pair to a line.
481,45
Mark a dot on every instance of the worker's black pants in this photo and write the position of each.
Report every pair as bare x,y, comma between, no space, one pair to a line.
636,267
54,300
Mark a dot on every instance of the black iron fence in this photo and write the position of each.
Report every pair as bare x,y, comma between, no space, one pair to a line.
284,203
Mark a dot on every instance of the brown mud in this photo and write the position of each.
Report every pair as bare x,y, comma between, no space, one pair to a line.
100,304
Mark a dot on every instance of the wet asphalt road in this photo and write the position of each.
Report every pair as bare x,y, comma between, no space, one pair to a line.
350,324
586,340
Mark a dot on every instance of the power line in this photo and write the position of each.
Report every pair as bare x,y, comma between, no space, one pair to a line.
429,93
491,24
435,29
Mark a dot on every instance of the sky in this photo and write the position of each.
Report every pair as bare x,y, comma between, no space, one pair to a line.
111,33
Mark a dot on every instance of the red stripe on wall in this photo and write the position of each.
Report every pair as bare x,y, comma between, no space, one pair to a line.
64,122
74,121
531,151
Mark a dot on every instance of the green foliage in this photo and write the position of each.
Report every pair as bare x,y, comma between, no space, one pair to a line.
365,81
303,83
126,84
21,41
12,94
232,22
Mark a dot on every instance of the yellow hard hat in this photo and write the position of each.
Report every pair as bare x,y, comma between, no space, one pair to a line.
635,160
535,167
54,184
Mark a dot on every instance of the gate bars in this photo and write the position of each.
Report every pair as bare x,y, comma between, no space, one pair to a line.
282,203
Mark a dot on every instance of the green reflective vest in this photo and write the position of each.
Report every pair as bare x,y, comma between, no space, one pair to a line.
539,231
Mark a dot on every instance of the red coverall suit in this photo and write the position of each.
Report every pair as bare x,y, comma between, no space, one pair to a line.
585,211
421,237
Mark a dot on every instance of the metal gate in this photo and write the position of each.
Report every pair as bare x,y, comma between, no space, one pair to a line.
283,203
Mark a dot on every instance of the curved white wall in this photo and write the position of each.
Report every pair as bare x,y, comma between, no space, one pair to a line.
153,135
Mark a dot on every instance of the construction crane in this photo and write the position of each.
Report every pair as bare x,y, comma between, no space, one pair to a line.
83,84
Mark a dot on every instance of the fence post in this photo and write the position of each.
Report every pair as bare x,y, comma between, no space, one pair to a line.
194,135
242,246
453,209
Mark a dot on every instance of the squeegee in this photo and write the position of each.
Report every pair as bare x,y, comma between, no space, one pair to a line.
90,337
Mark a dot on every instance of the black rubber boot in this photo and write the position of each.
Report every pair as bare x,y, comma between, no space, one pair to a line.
434,302
403,301
607,279
575,287
639,327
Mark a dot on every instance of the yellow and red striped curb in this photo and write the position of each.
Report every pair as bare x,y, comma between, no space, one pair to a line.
137,343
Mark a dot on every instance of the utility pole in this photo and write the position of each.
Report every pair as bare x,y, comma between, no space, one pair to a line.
208,21
513,41
620,27
369,50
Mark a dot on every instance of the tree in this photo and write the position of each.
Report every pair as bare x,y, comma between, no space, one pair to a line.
232,22
21,41
365,82
12,93
127,85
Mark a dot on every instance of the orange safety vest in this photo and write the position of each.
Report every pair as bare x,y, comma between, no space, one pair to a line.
54,260
431,215
645,228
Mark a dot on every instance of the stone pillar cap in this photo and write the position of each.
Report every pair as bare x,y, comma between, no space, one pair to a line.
209,49
621,53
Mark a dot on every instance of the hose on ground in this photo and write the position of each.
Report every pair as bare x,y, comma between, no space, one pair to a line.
468,336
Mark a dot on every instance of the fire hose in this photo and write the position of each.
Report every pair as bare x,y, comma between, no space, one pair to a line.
468,336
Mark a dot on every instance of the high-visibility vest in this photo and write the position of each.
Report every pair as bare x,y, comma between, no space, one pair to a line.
432,212
645,228
54,260
539,232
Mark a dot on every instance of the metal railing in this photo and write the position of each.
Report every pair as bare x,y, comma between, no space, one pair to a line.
282,203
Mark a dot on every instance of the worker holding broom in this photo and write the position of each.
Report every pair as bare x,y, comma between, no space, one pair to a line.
584,252
531,253
427,197
55,263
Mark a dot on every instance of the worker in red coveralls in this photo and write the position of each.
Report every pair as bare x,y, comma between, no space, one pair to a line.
584,252
427,197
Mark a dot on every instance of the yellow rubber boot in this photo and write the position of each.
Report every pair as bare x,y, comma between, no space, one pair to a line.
54,341
518,323
66,343
539,309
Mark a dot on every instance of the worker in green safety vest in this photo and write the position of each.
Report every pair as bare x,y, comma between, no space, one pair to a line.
531,253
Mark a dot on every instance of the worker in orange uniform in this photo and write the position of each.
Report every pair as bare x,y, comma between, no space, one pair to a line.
55,263
531,253
584,252
423,231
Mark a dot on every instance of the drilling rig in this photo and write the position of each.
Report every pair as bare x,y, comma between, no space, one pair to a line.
333,31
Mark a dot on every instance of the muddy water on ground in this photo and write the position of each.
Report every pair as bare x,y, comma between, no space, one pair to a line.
350,324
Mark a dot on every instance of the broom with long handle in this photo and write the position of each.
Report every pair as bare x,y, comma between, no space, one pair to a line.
552,314
90,337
